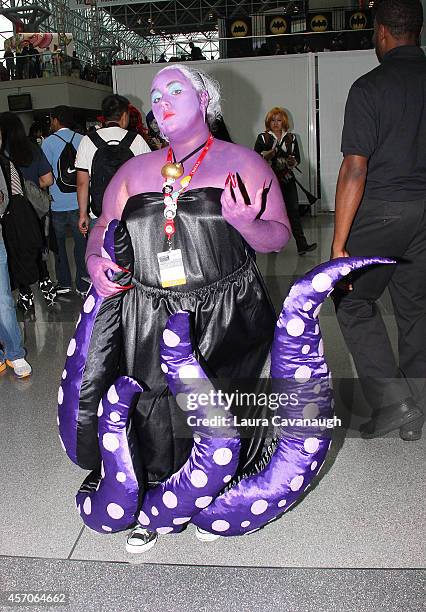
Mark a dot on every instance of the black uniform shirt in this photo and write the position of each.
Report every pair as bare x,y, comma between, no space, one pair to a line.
385,120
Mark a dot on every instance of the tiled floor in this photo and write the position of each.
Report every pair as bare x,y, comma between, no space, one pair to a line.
367,510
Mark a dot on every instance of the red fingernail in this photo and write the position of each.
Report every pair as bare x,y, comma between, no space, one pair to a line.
125,287
233,180
228,178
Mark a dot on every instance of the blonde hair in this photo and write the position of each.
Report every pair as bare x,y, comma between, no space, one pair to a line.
277,110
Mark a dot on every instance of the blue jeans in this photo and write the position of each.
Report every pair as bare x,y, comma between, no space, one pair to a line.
60,220
10,332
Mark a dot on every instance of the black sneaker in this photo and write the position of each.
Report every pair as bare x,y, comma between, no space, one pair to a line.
307,249
48,290
25,301
62,289
140,540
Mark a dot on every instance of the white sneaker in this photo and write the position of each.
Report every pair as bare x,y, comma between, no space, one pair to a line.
140,540
21,367
205,536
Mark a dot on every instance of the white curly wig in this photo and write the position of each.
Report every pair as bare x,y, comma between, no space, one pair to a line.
202,82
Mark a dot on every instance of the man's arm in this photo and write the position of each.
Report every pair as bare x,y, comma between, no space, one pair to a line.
83,200
349,192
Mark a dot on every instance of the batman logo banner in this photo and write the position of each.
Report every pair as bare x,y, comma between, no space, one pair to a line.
358,21
319,23
239,29
278,26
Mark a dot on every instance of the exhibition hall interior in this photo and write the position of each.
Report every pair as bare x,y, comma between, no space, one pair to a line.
336,514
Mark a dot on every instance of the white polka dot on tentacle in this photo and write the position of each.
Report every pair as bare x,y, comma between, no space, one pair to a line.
317,311
295,327
296,483
87,506
187,373
71,347
164,530
102,470
321,348
199,479
305,349
245,524
282,503
64,375
220,525
203,502
100,409
170,338
164,368
321,282
181,520
110,442
112,395
60,396
115,511
115,417
170,499
314,465
310,411
89,304
302,374
345,270
106,528
311,445
143,518
183,402
154,511
227,478
259,506
222,456
121,477
307,306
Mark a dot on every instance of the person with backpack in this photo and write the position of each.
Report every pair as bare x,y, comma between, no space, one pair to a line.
101,154
60,149
35,177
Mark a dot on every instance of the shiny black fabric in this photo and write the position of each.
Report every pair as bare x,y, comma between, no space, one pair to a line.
233,318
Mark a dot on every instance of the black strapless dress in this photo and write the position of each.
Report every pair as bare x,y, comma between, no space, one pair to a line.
233,317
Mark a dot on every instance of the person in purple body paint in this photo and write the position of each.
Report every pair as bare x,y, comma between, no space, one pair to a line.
232,207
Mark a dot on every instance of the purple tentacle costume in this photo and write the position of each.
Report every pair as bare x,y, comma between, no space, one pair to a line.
207,490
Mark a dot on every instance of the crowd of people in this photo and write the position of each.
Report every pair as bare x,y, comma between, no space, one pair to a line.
30,63
172,257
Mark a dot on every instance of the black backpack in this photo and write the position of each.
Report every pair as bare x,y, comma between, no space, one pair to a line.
106,161
66,179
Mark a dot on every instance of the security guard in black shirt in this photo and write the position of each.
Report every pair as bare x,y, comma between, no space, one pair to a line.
381,210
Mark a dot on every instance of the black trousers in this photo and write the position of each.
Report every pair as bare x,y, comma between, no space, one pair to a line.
291,199
392,229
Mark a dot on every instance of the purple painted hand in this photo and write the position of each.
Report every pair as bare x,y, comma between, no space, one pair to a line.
236,206
99,269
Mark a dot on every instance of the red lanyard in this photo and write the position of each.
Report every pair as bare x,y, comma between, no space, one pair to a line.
171,195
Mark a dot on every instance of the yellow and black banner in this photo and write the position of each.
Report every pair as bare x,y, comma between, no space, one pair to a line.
358,20
240,27
277,25
321,21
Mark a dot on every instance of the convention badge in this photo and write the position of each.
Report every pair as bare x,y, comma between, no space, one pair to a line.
172,272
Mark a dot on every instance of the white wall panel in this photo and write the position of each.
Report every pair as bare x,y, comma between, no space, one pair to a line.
336,73
250,87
